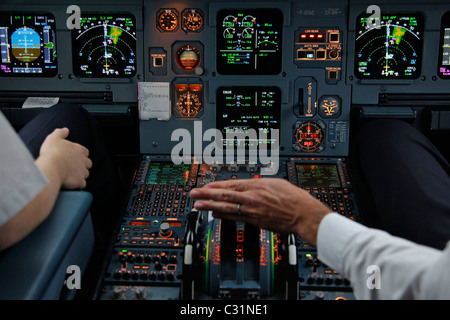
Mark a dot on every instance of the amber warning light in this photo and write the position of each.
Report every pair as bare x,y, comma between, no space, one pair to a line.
312,37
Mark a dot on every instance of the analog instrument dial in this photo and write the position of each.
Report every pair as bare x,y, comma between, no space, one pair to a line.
189,100
309,137
189,104
188,57
192,20
167,20
329,107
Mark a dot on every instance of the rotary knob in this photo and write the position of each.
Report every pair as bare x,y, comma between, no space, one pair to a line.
164,229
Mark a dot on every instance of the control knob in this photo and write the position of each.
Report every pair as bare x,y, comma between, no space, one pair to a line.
164,229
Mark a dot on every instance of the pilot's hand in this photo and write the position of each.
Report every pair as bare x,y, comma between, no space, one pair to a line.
71,160
269,203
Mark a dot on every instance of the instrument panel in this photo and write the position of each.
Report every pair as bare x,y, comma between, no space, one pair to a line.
444,47
390,48
28,44
105,46
244,109
165,249
319,62
249,41
278,76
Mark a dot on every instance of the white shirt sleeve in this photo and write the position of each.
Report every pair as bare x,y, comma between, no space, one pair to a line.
381,266
20,179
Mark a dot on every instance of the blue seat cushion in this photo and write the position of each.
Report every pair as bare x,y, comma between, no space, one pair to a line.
35,268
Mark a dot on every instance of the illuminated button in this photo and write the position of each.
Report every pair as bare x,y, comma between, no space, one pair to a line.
334,37
333,75
321,54
157,61
305,54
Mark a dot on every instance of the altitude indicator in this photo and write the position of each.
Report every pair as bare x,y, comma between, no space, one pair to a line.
28,45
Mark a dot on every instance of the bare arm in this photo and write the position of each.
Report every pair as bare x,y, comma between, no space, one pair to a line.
65,164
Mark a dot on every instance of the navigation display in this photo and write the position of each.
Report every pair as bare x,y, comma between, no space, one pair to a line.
105,46
444,48
321,175
390,47
242,108
28,45
167,173
249,41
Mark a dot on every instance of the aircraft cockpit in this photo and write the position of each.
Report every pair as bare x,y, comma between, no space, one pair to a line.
188,93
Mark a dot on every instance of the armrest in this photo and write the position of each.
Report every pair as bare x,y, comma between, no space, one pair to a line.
35,268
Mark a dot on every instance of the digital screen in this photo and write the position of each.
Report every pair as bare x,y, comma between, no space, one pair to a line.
28,45
444,48
249,41
389,47
139,223
167,173
242,108
105,46
318,175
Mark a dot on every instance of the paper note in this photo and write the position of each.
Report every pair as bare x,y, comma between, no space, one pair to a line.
40,102
154,100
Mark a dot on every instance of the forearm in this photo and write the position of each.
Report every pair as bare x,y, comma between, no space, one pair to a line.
36,211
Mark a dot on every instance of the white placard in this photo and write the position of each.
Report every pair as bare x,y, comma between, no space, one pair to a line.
154,100
40,102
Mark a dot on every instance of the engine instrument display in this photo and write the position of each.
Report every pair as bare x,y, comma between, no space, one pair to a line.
28,45
389,48
105,46
249,41
444,48
242,108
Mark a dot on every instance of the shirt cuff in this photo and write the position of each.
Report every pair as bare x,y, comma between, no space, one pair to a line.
334,234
